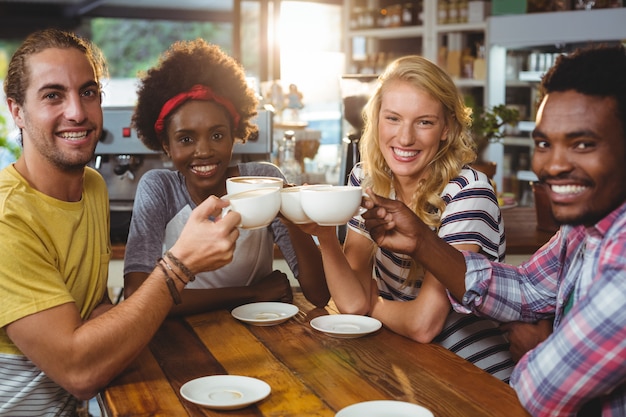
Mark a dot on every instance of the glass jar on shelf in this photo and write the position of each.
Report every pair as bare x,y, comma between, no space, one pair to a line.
442,12
453,11
463,11
409,15
394,13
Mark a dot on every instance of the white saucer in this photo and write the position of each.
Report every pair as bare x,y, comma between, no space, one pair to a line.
384,408
346,326
225,392
265,314
508,206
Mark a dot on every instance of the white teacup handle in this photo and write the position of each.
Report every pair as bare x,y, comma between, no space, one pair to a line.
361,209
227,210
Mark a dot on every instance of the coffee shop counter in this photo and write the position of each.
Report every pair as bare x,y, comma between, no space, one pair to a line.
117,251
522,235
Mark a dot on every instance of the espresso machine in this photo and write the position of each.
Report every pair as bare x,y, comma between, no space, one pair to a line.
121,158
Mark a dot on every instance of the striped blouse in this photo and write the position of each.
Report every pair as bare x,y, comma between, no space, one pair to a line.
471,216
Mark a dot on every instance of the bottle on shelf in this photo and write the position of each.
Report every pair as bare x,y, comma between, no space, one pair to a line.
287,158
480,65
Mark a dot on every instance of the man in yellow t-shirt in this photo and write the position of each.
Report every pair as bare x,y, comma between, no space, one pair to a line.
60,336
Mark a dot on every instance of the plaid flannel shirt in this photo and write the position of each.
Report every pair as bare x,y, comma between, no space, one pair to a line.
585,357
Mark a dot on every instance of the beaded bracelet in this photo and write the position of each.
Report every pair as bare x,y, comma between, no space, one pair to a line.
171,286
181,266
168,266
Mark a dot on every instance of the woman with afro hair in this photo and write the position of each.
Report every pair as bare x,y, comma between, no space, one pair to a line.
194,105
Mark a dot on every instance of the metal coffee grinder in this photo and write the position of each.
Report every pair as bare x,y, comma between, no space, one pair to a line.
355,91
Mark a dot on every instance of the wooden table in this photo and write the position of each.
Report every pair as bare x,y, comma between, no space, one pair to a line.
310,373
522,236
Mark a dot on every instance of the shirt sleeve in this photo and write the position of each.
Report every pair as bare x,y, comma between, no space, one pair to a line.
508,293
147,227
585,357
357,223
472,216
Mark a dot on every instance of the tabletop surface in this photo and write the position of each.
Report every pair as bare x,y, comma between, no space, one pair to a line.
522,235
309,372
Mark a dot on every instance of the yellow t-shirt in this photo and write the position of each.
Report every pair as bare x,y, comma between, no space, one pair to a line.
53,252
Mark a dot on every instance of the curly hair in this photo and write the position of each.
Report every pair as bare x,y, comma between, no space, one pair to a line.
17,79
183,65
597,70
453,154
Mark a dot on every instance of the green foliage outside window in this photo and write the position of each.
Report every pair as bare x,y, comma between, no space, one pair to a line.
5,144
133,45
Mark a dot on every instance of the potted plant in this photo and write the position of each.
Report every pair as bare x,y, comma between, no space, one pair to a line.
487,127
6,146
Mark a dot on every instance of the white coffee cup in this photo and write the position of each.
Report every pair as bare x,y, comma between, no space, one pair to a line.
257,207
236,185
291,207
331,205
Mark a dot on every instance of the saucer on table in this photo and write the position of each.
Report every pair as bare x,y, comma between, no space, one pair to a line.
265,313
346,326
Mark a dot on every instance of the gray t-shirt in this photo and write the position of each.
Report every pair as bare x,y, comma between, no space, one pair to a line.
161,209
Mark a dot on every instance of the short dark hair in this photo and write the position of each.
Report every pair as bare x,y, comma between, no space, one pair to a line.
598,70
183,65
17,79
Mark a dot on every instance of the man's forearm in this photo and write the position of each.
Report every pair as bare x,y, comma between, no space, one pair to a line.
444,261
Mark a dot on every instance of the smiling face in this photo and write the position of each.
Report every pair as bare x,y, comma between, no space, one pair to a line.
580,153
411,126
200,144
61,118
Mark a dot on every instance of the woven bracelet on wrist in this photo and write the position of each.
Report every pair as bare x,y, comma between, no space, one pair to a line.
171,286
181,266
169,267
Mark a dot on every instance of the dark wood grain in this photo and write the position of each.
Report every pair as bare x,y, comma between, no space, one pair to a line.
522,236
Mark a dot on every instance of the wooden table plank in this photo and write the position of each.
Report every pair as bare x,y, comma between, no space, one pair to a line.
311,374
242,354
142,386
330,365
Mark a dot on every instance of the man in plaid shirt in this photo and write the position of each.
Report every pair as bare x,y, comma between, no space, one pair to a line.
579,277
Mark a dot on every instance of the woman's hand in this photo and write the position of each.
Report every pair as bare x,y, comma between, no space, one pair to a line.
274,287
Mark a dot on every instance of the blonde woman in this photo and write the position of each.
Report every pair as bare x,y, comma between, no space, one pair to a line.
416,148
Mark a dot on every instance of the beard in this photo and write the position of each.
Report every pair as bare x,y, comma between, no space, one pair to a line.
67,161
587,216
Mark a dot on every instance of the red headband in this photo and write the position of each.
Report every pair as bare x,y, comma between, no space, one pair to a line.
197,92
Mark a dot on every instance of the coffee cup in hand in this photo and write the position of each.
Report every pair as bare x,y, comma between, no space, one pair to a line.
236,185
331,205
291,204
257,208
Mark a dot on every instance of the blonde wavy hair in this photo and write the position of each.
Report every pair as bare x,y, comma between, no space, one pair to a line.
453,154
